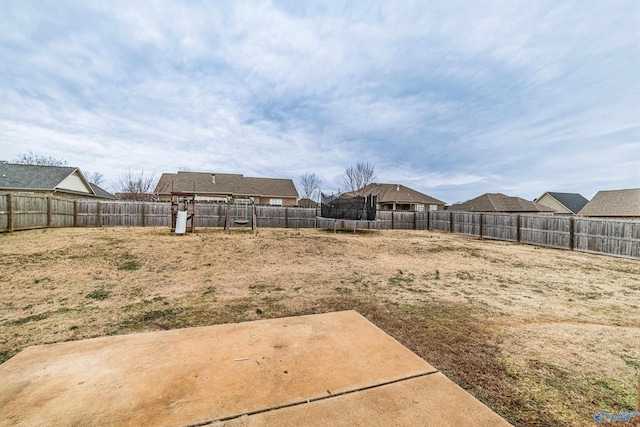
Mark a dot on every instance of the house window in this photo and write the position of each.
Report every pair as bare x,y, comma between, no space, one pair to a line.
275,202
420,207
433,207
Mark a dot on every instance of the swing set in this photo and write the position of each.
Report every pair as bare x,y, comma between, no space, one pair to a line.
240,213
183,216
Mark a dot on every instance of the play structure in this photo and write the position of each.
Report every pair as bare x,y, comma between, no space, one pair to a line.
183,215
240,213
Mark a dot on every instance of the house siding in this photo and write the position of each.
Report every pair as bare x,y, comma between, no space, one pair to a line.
552,203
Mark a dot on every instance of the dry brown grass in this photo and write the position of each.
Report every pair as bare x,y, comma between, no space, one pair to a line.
544,337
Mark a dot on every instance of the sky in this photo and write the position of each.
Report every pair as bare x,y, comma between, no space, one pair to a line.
451,98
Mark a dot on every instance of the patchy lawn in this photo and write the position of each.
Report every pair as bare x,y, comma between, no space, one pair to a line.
542,336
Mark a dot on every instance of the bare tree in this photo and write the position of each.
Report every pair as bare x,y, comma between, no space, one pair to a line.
30,158
358,176
309,186
95,178
135,185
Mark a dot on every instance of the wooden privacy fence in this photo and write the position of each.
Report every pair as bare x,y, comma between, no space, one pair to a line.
603,236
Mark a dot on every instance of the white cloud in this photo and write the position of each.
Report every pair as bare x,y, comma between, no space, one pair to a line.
462,98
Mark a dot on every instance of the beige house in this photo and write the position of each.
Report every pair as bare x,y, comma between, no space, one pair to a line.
498,202
222,187
614,204
59,181
397,197
562,203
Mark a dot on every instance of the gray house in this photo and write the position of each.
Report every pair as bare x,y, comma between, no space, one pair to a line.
61,181
563,203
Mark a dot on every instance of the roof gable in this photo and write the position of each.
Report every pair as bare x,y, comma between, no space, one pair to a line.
614,203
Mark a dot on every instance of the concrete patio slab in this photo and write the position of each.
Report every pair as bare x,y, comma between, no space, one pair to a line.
202,375
429,400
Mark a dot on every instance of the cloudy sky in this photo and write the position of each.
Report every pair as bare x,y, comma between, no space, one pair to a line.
451,98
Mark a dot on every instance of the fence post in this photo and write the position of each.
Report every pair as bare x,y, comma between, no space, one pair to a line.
480,224
428,220
518,228
451,221
48,211
286,217
98,218
392,219
144,223
75,213
10,213
572,236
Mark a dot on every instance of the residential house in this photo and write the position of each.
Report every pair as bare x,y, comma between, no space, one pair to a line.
498,202
307,203
60,181
562,203
222,187
614,203
397,197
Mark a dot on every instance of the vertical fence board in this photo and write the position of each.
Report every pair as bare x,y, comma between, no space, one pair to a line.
608,236
4,212
422,220
466,223
210,214
61,214
500,226
383,218
439,220
29,211
546,230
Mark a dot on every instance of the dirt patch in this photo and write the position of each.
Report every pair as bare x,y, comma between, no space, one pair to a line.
542,336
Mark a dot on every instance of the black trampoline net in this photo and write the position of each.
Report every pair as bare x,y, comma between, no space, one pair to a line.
345,206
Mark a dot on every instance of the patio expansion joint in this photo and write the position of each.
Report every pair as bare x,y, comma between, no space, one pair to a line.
315,399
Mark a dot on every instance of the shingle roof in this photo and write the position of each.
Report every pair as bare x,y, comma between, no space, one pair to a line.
398,193
498,202
20,177
15,176
614,203
101,192
227,184
572,201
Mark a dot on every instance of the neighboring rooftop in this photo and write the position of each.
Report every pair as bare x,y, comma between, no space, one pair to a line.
65,179
498,202
389,193
569,202
572,201
32,177
228,184
614,203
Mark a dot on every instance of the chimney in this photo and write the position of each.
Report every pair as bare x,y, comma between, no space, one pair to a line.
397,187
